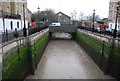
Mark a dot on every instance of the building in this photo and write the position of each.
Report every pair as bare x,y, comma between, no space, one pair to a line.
0,8
63,18
112,15
29,15
14,9
6,9
105,21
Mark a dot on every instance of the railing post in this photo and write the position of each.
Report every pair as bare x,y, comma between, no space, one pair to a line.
110,57
29,54
18,50
35,54
102,54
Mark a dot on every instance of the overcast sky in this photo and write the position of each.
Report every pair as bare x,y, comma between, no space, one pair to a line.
67,6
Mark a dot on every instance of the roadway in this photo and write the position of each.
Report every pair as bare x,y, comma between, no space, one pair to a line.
65,59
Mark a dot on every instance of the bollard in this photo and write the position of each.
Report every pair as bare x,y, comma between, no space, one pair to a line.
6,35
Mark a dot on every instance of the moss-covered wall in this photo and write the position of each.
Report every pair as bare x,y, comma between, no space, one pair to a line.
17,65
108,59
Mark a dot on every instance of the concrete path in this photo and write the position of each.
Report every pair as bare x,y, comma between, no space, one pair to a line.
65,59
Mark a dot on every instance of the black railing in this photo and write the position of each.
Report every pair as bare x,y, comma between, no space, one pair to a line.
85,28
10,36
35,30
100,31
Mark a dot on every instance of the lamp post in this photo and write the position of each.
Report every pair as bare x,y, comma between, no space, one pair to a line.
117,12
24,29
38,15
93,21
45,19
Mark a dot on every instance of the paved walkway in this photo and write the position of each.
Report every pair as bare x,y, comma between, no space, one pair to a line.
65,59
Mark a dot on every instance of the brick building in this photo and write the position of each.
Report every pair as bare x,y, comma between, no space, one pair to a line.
112,14
14,9
63,18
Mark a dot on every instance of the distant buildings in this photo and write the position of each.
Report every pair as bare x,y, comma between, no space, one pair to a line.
63,18
0,8
14,9
105,21
112,15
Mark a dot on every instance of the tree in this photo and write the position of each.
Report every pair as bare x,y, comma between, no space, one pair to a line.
46,15
74,15
90,18
81,16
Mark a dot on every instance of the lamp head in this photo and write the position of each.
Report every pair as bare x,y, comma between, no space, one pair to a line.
38,8
93,11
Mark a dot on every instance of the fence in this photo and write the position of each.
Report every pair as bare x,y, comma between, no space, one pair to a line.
10,36
103,50
34,30
101,31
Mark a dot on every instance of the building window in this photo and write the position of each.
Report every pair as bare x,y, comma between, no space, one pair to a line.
17,24
11,24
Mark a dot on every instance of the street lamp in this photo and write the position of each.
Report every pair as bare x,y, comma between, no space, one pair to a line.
117,12
24,29
93,21
45,19
38,15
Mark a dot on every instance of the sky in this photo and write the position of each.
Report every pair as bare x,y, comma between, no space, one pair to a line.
67,6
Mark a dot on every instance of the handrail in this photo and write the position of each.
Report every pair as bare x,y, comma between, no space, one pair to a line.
102,38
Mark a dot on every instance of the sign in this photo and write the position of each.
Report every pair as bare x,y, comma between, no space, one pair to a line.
33,25
101,26
100,22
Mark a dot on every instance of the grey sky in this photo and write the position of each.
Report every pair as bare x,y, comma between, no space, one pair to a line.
67,6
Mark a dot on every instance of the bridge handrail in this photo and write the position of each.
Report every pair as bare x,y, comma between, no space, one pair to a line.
63,28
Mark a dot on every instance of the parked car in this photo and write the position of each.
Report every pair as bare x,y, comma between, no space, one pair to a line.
97,30
108,31
55,24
